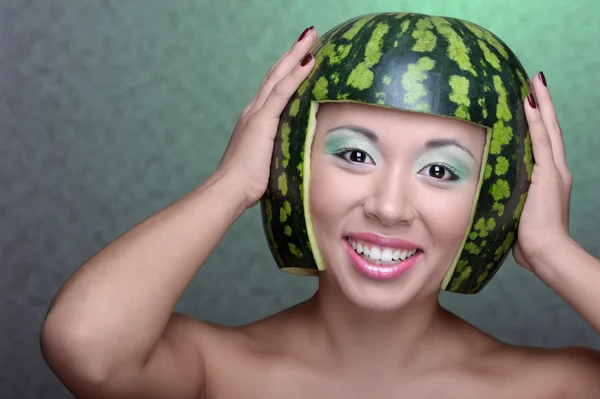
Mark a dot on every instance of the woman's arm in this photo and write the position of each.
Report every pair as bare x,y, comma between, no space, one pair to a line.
544,244
110,332
545,247
105,323
575,275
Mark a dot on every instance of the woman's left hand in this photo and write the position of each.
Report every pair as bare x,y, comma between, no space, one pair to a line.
544,225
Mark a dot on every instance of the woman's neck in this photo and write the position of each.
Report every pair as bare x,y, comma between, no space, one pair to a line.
354,337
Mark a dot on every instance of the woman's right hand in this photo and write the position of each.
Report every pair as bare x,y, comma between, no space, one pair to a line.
247,159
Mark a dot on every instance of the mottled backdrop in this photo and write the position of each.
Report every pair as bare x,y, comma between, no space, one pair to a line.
111,110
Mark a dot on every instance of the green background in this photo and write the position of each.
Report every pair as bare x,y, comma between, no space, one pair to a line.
111,110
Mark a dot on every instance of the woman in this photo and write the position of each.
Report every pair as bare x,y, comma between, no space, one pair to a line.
110,332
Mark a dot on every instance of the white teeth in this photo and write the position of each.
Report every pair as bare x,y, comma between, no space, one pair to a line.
381,256
387,255
375,253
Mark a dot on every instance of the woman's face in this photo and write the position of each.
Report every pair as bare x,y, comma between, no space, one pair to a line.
396,185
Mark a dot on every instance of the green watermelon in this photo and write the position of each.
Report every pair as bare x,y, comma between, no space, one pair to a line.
407,61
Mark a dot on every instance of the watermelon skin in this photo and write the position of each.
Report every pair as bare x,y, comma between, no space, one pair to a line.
416,62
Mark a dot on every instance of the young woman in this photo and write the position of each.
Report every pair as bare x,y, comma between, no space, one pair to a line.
111,331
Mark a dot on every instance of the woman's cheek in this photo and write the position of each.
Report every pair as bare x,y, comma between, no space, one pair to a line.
325,194
450,213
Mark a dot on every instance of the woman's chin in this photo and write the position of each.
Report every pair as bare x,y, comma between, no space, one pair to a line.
378,296
376,299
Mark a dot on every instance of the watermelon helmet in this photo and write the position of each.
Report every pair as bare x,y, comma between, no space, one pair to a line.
414,62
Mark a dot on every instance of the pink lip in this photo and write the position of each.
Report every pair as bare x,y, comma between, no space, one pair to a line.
383,241
380,272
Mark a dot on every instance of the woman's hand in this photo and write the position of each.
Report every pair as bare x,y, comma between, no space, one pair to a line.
247,159
544,244
544,225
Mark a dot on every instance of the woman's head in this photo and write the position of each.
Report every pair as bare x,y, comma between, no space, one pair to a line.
384,174
438,68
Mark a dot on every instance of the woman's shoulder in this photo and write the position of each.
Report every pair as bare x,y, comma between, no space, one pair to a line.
520,371
571,372
567,372
270,334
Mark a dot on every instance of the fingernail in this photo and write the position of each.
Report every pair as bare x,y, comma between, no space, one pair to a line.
307,58
543,78
531,100
304,32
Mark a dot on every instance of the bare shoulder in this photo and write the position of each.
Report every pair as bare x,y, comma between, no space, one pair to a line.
576,369
203,337
265,337
570,372
261,359
222,352
531,372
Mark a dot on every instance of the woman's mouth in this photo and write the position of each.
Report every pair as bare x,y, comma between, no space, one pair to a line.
380,255
380,262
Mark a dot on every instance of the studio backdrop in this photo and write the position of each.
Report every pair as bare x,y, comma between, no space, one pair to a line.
112,109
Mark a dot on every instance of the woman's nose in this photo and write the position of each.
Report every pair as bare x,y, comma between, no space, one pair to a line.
392,198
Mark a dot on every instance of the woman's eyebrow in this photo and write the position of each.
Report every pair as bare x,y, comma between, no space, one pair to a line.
369,134
437,143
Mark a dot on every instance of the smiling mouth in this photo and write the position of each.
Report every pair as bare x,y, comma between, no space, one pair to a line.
381,255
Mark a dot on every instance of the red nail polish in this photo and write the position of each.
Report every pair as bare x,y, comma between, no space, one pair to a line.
543,78
304,32
306,59
531,100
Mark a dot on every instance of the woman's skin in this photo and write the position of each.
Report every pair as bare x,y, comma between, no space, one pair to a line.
111,332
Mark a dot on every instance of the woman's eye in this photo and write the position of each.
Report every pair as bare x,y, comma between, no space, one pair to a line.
356,156
440,172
